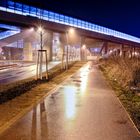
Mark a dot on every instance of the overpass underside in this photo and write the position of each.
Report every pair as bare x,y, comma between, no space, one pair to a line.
24,46
61,42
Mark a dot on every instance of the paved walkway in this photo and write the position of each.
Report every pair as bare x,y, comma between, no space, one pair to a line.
82,108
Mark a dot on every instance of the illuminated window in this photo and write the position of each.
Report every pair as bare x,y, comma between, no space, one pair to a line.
33,11
61,18
56,16
79,23
51,16
18,6
75,21
25,9
38,12
46,15
10,4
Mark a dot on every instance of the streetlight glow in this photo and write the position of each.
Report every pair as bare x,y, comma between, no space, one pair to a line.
84,46
31,29
40,29
71,30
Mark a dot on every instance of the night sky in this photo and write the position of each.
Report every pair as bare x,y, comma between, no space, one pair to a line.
122,15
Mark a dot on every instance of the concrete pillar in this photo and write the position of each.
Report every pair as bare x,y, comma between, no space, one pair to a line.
62,55
106,47
63,50
81,48
27,51
138,53
123,51
48,45
62,44
118,52
134,52
130,52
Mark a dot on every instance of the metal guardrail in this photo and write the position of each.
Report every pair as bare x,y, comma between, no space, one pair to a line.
26,10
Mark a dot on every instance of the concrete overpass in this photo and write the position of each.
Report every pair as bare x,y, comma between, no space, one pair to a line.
86,33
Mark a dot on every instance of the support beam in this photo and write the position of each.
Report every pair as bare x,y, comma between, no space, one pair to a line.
27,51
48,45
104,48
81,49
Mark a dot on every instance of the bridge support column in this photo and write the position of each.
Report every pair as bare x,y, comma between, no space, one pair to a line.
106,47
27,51
62,50
118,52
62,56
48,46
123,52
134,52
82,54
130,52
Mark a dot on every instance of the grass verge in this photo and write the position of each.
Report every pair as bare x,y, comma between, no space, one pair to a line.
129,99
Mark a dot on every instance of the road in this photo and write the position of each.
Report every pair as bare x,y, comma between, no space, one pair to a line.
21,72
84,107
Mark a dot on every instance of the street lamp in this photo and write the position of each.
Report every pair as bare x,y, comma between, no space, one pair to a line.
40,56
40,30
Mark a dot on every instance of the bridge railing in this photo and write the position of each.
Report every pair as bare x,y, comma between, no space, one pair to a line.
26,10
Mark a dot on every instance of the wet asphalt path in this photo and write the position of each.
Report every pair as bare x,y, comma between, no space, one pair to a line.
82,108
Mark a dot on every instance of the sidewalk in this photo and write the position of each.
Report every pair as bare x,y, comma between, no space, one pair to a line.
84,107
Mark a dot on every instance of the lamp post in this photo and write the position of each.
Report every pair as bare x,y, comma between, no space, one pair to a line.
40,29
40,56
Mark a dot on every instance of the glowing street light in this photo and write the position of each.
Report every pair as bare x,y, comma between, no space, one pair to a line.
40,55
71,31
40,30
84,46
31,29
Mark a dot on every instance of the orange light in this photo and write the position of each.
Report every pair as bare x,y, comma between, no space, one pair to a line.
84,46
71,30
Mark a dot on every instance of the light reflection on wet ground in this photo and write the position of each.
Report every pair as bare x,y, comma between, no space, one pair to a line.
79,109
